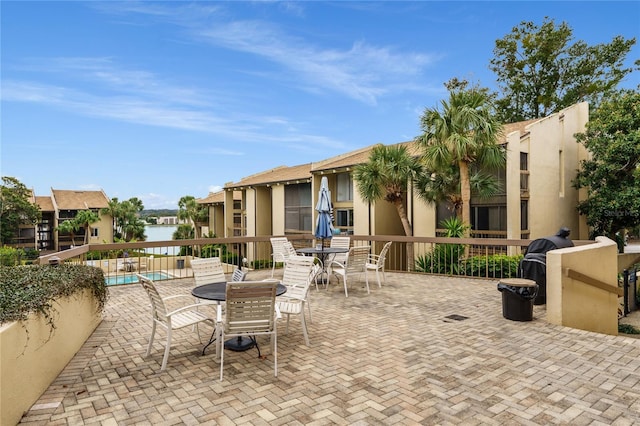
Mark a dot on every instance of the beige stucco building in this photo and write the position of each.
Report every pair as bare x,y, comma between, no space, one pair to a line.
62,205
543,157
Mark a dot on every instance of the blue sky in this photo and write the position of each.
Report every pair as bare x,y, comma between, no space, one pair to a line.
158,100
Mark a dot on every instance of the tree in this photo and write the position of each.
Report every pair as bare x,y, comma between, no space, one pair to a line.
113,211
540,72
386,175
461,135
127,225
15,209
84,219
69,226
612,174
191,211
183,232
444,186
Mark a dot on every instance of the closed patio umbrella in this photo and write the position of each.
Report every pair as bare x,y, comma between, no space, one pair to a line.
324,227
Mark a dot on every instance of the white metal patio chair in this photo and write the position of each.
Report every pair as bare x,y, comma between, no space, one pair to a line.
355,264
340,242
184,316
297,277
207,271
289,249
251,311
280,253
238,275
376,262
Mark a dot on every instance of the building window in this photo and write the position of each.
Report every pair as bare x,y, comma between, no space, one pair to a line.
94,232
345,187
524,215
297,207
344,220
237,204
524,161
489,218
67,214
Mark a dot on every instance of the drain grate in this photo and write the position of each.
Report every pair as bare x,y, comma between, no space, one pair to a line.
457,317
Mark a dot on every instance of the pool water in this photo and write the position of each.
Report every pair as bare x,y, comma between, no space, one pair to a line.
130,279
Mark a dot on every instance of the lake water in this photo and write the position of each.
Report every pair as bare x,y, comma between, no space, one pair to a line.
160,232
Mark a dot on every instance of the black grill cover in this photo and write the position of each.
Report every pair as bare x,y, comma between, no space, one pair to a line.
534,264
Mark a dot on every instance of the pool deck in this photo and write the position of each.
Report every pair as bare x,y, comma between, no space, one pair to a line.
420,350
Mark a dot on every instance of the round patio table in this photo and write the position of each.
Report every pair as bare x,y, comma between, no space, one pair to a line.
321,254
218,293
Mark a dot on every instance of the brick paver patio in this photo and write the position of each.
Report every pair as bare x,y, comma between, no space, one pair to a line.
393,357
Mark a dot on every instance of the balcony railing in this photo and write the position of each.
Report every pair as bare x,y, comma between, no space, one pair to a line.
472,257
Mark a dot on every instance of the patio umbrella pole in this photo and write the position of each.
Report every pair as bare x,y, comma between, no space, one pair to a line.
324,227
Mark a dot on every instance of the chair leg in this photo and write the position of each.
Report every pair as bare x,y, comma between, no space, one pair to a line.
166,350
366,280
286,330
309,309
219,342
153,333
275,352
378,277
221,354
344,279
304,327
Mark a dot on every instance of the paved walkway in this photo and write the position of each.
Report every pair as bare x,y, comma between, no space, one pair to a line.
421,350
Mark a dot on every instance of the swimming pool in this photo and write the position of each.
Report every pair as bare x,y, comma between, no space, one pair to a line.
130,279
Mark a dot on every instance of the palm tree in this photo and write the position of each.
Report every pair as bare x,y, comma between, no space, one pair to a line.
387,175
113,210
464,133
192,212
69,226
436,187
84,219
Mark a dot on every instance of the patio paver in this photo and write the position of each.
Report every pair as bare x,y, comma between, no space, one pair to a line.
396,356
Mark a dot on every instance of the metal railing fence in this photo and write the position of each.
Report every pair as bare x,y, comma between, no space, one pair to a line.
469,257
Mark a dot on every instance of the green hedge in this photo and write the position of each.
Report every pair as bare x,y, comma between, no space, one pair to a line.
493,266
447,259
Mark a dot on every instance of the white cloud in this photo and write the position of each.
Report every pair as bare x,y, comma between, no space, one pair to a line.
362,72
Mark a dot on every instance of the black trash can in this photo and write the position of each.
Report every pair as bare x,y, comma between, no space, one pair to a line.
517,298
180,263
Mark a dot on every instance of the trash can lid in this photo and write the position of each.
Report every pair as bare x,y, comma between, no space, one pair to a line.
518,282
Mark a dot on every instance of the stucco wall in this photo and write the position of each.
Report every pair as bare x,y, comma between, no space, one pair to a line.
105,230
575,304
277,209
29,362
553,160
228,213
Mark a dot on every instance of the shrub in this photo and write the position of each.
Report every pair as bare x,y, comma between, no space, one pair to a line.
94,255
492,266
31,289
444,259
10,256
230,258
211,250
261,264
